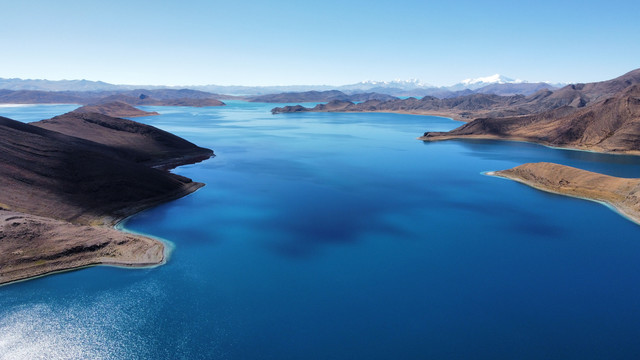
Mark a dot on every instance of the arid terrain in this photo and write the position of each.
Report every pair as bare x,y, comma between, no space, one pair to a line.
69,179
622,194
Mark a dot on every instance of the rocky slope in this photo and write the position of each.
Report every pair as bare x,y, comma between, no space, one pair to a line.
623,194
132,140
57,188
611,125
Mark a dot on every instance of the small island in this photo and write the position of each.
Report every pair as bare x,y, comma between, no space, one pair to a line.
115,109
620,193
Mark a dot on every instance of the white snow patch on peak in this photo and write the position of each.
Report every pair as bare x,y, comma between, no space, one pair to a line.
493,79
396,82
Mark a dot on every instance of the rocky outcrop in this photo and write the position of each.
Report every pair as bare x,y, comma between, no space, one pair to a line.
132,140
114,109
623,194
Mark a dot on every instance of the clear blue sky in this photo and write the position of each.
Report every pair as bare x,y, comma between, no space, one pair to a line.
280,42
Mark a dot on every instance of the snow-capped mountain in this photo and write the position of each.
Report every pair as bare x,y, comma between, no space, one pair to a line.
494,84
477,83
493,79
415,84
410,84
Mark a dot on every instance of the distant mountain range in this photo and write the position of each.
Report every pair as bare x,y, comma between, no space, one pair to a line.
60,85
318,96
481,105
157,97
495,84
600,116
484,81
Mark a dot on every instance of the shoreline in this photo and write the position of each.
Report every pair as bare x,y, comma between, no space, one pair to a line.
446,115
525,140
124,248
58,246
86,266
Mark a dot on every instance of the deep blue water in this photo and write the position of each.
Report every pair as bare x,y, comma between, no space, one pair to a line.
340,236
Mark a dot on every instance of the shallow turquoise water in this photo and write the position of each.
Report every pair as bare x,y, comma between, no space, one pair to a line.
339,236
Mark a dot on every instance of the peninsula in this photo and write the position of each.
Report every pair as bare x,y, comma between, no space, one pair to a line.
72,178
620,193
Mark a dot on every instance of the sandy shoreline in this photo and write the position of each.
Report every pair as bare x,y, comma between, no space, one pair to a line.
57,246
447,115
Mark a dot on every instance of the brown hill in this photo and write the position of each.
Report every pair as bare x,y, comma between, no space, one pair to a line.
55,185
63,177
604,89
623,194
132,140
611,125
115,109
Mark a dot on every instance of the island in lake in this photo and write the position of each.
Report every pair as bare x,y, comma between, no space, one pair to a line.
72,178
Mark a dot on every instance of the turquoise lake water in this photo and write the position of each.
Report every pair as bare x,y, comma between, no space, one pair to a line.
340,236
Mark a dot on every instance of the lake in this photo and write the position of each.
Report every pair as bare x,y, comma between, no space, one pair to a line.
341,236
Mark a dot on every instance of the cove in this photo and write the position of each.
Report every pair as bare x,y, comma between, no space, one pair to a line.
340,236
